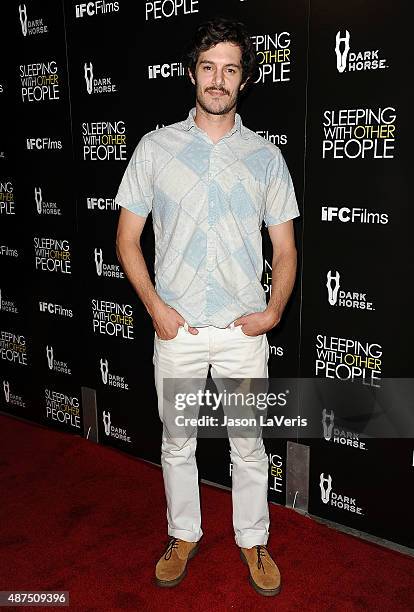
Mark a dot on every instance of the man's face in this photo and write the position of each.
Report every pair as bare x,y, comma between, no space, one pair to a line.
217,78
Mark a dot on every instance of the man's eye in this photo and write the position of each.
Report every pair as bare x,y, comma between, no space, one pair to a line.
207,67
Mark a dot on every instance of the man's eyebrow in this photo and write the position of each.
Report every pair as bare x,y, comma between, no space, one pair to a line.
210,62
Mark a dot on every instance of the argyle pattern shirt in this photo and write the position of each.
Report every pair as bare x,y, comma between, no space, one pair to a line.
208,202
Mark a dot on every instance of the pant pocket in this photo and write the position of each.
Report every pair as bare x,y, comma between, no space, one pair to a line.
169,339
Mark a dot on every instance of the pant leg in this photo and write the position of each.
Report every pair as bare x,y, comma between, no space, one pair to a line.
235,355
183,357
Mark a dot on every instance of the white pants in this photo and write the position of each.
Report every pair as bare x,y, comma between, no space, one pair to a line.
232,354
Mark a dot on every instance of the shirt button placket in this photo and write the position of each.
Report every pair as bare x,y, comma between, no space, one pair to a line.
211,244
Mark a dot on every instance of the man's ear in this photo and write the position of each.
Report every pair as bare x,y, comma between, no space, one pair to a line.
191,76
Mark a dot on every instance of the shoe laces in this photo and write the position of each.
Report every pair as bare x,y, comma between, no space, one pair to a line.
173,543
261,552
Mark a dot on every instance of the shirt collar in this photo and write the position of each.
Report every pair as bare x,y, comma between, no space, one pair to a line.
238,126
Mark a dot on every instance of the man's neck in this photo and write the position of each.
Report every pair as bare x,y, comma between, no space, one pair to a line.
215,126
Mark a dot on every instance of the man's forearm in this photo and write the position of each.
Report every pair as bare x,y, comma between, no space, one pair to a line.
283,280
133,263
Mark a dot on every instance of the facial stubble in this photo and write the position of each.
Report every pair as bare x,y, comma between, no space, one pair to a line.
211,109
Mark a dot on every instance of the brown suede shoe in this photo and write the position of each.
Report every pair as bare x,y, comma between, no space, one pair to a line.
264,573
171,568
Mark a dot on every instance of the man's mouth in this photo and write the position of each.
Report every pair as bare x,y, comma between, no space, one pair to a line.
216,92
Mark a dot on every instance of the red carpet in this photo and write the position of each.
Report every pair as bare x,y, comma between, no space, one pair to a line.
84,518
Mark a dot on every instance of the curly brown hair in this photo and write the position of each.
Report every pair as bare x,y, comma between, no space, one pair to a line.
214,31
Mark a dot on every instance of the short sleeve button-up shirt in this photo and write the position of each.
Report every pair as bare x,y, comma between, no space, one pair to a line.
208,202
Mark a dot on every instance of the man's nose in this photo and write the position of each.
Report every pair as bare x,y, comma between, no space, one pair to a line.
219,77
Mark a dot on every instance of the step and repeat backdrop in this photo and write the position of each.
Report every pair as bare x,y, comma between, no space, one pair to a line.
80,84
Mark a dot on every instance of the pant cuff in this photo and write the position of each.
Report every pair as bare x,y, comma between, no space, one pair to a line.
184,534
248,541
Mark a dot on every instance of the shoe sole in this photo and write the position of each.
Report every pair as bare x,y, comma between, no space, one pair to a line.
173,583
265,592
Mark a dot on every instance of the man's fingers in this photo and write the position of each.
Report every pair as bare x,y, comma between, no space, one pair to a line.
193,330
240,321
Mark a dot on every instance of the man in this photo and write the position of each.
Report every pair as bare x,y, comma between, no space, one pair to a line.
210,182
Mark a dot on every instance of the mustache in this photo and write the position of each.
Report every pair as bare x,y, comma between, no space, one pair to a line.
218,89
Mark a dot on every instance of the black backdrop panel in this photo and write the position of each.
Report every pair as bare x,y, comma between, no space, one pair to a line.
88,80
355,298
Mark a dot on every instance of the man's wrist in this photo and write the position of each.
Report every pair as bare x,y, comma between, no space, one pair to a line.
273,314
154,305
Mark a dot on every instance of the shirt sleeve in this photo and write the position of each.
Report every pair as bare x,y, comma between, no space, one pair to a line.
281,204
135,191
